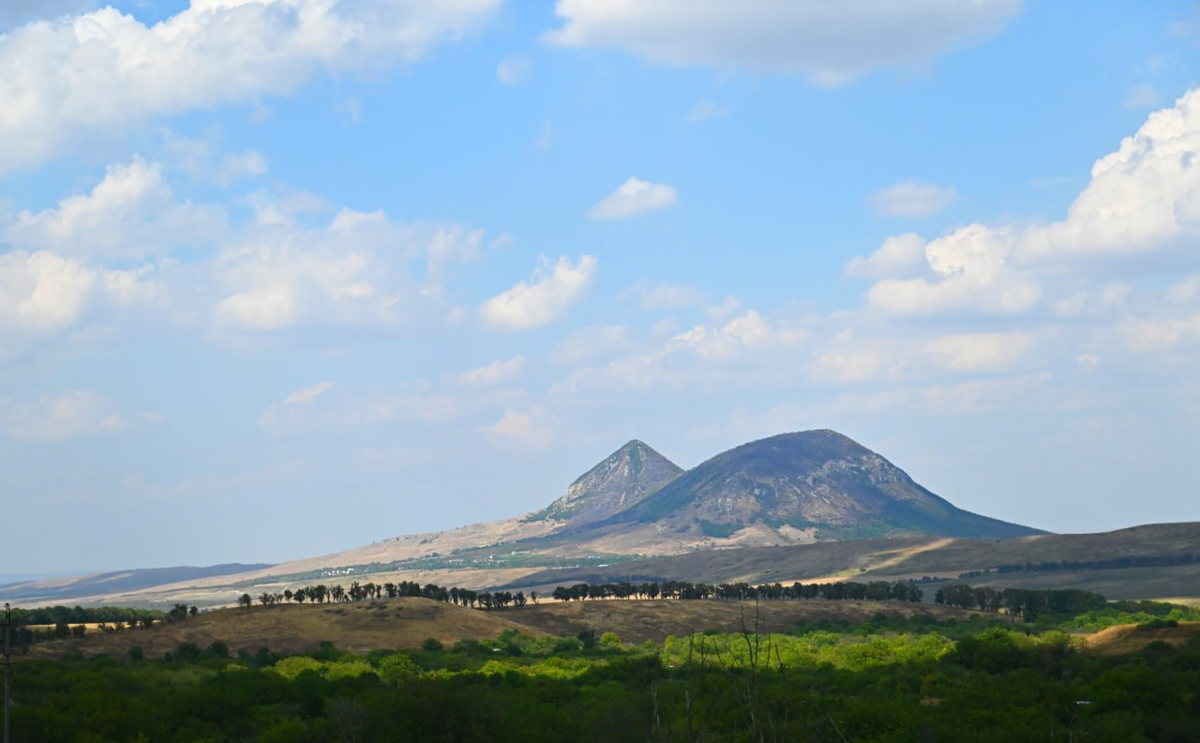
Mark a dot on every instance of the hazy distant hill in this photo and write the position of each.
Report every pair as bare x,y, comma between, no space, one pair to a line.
57,589
819,482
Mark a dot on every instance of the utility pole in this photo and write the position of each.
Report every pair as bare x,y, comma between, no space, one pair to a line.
7,662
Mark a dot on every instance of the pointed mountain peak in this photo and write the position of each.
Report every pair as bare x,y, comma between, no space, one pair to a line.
622,480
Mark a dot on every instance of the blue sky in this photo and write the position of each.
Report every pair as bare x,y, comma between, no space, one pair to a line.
282,277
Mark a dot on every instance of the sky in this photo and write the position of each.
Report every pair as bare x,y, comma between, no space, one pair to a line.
285,277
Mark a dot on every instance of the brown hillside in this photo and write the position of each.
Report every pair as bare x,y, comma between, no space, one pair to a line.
406,622
1130,638
395,624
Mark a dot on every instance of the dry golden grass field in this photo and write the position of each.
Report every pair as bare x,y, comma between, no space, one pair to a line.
1130,638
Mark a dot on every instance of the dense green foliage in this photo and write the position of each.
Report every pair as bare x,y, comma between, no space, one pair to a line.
80,615
889,679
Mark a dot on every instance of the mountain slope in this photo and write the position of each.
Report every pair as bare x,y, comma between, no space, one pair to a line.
819,482
621,481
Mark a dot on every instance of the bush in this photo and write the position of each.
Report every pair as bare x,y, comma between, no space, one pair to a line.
396,669
187,651
432,645
218,649
610,640
136,653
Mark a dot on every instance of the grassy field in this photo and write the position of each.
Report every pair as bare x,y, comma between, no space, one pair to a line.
1130,638
404,623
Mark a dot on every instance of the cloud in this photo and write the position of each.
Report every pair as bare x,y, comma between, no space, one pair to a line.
94,75
202,160
1142,198
60,417
978,352
969,273
293,413
634,197
737,352
326,407
1184,291
706,110
1159,333
898,256
829,43
131,213
43,293
277,277
543,299
450,244
497,372
911,199
353,272
535,429
589,343
512,70
546,137
1088,301
308,394
1142,96
664,296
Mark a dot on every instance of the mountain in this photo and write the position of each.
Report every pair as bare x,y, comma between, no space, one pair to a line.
792,489
620,482
821,484
63,588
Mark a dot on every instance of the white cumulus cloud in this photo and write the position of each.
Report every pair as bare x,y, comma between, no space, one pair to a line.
543,299
1142,198
634,196
131,213
828,42
43,293
899,255
102,72
353,272
969,273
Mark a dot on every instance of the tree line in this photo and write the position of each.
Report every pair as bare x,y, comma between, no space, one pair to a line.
680,590
1158,561
1023,602
684,590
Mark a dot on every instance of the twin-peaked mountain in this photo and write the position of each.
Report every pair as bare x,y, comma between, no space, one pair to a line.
792,488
